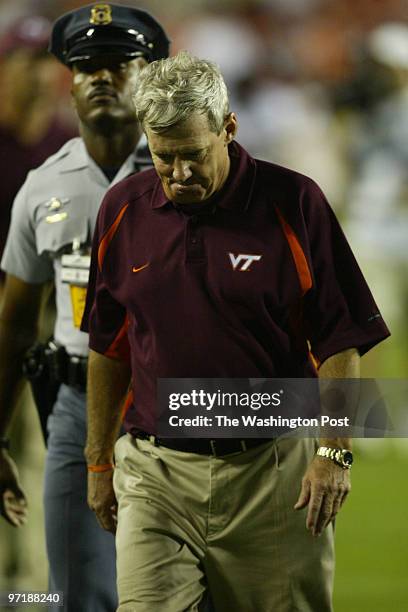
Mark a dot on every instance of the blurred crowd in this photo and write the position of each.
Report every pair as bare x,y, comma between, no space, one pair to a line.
320,86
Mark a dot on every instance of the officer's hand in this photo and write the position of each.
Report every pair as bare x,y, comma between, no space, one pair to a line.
102,500
13,503
325,487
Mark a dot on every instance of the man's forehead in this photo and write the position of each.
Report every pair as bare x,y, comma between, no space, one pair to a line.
163,143
193,133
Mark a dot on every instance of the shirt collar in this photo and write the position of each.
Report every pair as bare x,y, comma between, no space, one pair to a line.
78,157
237,191
75,157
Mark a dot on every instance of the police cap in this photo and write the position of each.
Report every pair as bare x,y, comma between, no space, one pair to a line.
107,29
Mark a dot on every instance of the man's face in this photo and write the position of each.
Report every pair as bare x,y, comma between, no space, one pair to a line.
191,160
102,90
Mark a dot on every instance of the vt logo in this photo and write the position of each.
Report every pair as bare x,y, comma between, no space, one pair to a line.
243,262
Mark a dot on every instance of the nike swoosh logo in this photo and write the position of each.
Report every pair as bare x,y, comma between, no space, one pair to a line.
141,268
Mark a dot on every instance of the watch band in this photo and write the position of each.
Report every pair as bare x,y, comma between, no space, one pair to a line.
103,467
341,456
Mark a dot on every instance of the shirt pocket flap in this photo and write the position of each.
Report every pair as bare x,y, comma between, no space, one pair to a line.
54,237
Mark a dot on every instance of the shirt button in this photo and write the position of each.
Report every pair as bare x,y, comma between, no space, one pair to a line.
194,241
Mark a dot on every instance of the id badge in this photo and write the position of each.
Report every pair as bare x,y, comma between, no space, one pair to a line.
75,272
78,299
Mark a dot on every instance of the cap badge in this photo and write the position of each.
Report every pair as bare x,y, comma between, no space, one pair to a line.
101,14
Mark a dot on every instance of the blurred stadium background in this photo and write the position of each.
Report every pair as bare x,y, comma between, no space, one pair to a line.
322,87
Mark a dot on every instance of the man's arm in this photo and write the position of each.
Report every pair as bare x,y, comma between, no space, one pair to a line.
108,383
325,484
19,315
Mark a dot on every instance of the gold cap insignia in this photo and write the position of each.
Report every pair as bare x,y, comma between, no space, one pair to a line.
101,14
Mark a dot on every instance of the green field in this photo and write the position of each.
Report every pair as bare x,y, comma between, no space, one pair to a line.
372,532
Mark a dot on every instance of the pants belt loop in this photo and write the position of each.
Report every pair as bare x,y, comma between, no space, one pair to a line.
243,445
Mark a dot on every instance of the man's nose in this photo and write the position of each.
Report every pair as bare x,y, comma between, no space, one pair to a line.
181,170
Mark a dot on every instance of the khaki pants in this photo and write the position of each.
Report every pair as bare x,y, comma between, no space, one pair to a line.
187,522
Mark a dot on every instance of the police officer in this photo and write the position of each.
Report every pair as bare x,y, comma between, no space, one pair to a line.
53,218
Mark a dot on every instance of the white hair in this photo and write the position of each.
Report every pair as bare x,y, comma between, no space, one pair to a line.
168,91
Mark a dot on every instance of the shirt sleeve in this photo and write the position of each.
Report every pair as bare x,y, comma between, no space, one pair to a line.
339,310
105,319
20,257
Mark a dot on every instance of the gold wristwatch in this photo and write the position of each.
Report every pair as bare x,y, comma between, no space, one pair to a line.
341,456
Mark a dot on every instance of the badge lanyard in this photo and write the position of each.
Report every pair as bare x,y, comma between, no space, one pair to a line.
75,272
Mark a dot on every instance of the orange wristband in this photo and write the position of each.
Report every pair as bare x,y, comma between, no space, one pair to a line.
105,467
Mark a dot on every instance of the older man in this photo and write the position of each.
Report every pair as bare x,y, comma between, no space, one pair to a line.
105,46
217,265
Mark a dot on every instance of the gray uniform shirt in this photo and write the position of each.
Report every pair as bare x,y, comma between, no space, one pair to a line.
55,213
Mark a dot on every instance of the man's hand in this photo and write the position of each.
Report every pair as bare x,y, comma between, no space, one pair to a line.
325,487
13,503
102,500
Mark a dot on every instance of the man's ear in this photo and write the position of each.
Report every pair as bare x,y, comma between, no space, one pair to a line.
230,127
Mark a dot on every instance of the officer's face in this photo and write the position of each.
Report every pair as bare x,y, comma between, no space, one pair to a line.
102,90
192,160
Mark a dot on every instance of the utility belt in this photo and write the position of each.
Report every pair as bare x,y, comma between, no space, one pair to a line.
53,360
47,366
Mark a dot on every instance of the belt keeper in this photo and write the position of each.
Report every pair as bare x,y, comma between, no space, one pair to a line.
105,467
153,440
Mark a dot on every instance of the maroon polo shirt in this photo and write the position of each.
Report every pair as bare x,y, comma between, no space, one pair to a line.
261,282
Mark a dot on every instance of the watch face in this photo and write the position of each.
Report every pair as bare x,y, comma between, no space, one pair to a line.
348,458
